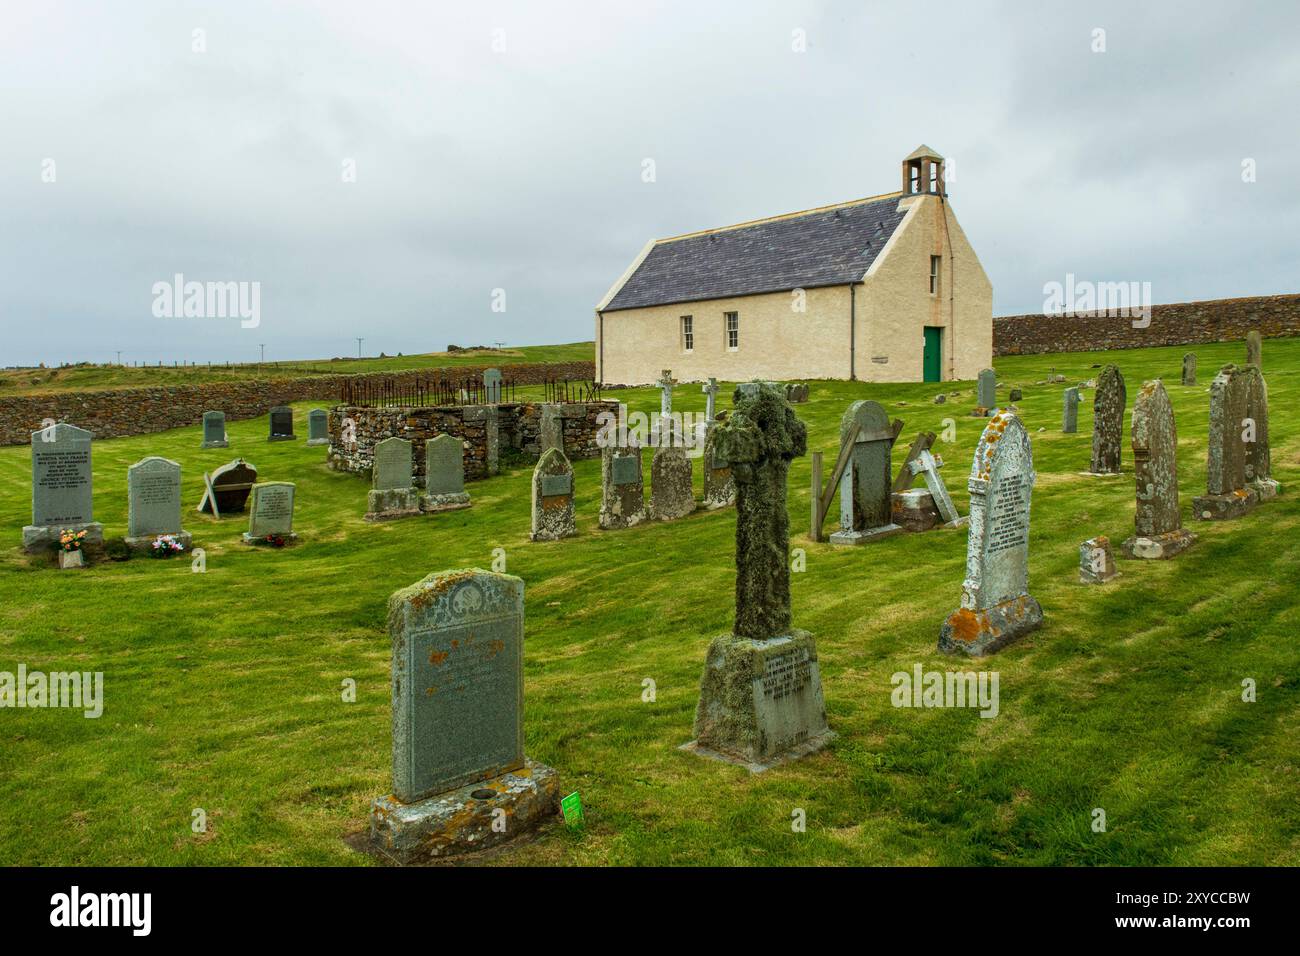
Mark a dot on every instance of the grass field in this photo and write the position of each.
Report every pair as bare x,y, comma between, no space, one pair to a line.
223,690
80,378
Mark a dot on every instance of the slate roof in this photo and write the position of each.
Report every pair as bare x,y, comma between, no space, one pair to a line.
831,246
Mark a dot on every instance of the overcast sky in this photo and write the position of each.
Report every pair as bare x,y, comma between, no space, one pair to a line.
479,168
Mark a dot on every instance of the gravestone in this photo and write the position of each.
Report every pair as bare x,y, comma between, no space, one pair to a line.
1227,495
927,466
492,386
153,487
226,490
1189,368
666,383
1014,395
1096,563
796,393
318,427
282,424
392,494
922,442
865,486
710,400
459,768
552,511
1158,522
672,495
1259,459
1254,349
62,488
996,608
270,512
622,486
490,416
914,510
986,393
214,430
444,475
719,482
1108,421
1070,411
761,693
551,430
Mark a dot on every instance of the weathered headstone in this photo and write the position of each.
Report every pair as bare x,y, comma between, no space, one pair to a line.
710,390
553,513
914,510
153,488
281,424
865,486
1254,349
622,486
666,383
444,474
1096,563
986,397
490,416
62,487
906,477
927,466
1189,368
796,393
318,427
551,429
1070,411
719,482
1159,531
492,386
226,490
270,512
1108,421
214,430
761,694
1227,495
459,769
672,495
392,494
1254,432
996,607
1014,395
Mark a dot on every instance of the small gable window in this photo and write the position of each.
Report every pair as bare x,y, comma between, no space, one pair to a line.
733,330
935,262
688,333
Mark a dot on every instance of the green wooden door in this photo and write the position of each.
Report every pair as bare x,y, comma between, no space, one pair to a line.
933,350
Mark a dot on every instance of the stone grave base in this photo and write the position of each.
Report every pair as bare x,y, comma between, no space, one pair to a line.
1100,474
853,538
283,438
144,543
290,539
1159,545
1267,488
454,501
612,521
1224,507
760,701
669,510
980,412
979,633
914,510
390,503
461,821
215,444
37,538
313,442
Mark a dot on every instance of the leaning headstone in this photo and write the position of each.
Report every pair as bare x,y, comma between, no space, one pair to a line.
551,429
1259,459
214,430
1189,368
226,490
270,513
62,488
492,386
153,487
1108,421
986,398
719,482
927,466
672,495
761,693
622,486
553,513
281,424
996,607
1254,349
318,427
1096,563
1159,531
444,474
865,486
392,494
710,400
1227,495
461,780
906,477
1070,411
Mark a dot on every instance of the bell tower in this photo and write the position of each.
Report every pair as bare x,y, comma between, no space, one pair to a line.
923,173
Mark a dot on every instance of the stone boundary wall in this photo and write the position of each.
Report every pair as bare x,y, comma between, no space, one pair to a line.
1178,323
139,411
487,431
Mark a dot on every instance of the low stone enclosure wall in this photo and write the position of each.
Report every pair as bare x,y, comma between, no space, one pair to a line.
140,411
488,432
1178,323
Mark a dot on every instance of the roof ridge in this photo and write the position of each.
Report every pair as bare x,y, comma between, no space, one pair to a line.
789,215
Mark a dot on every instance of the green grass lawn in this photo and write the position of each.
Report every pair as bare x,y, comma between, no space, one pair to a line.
223,690
80,378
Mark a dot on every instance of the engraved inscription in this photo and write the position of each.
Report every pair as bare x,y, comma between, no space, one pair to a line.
1008,521
785,675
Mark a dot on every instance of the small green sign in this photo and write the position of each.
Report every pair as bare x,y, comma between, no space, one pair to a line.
571,807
